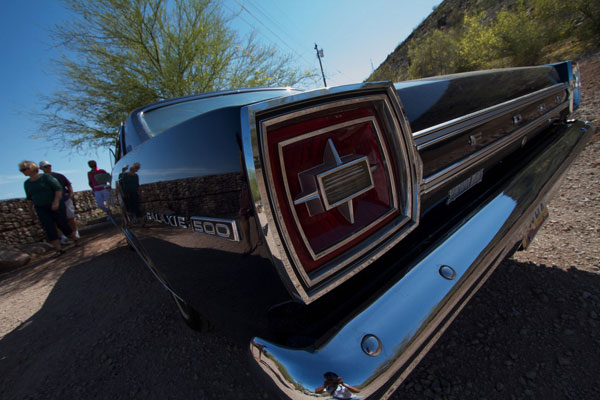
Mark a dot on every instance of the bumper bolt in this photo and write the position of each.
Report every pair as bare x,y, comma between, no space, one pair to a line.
447,272
371,345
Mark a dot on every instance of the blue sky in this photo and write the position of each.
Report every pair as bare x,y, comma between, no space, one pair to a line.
355,35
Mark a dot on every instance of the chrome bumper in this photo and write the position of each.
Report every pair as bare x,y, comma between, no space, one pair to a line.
410,317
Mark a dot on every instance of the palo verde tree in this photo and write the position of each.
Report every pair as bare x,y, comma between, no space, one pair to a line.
117,55
435,54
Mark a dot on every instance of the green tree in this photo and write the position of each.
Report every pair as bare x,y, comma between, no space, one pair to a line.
478,43
435,54
520,36
589,11
117,55
516,37
554,18
564,19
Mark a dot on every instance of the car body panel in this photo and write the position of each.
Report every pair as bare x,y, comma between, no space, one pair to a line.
472,160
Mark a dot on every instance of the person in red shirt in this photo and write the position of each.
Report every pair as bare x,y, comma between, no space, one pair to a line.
98,180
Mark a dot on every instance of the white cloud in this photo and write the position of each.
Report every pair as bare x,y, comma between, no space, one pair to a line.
4,179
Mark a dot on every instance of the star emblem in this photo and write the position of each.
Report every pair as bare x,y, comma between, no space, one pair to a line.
335,183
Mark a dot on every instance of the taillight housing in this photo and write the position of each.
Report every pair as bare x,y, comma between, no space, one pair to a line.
336,172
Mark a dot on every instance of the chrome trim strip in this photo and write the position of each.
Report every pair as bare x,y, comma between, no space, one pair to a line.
307,198
445,130
265,217
291,272
414,312
316,256
442,177
139,248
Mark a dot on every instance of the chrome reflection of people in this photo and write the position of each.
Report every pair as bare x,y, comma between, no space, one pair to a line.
129,183
335,386
44,194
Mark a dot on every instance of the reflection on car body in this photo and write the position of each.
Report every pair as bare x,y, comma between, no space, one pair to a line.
339,231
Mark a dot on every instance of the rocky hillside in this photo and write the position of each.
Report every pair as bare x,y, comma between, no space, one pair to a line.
560,36
449,14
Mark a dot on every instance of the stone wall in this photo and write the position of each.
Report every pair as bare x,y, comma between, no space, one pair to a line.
218,196
17,226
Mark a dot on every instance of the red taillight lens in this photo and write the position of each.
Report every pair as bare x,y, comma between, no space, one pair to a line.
337,173
329,206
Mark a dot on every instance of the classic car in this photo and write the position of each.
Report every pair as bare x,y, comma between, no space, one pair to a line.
337,232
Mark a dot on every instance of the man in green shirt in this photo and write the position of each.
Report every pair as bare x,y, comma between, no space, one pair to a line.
67,196
45,196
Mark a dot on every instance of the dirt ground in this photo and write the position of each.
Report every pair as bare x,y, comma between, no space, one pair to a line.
96,324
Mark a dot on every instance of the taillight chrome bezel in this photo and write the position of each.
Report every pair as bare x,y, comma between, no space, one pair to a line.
257,118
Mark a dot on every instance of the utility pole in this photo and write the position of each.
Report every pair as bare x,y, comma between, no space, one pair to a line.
319,55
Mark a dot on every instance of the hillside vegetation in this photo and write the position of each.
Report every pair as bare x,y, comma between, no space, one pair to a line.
466,35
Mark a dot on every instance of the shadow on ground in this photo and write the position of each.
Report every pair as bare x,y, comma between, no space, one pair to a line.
38,269
109,330
530,332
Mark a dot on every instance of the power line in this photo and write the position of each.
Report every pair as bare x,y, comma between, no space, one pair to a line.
271,31
268,39
275,22
287,29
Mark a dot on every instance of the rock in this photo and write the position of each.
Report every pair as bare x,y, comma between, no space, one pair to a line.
12,258
37,248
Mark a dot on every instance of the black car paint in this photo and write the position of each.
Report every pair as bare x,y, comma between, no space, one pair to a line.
234,283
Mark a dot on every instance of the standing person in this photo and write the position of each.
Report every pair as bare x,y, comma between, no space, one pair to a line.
120,195
129,183
67,198
123,172
44,193
98,182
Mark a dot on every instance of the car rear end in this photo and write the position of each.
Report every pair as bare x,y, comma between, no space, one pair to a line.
385,207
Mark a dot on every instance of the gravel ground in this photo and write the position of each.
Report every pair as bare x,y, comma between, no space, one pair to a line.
96,324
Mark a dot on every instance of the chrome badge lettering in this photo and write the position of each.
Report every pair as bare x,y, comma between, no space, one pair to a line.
222,228
464,186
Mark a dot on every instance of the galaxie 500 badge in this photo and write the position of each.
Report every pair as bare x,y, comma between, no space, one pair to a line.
223,228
